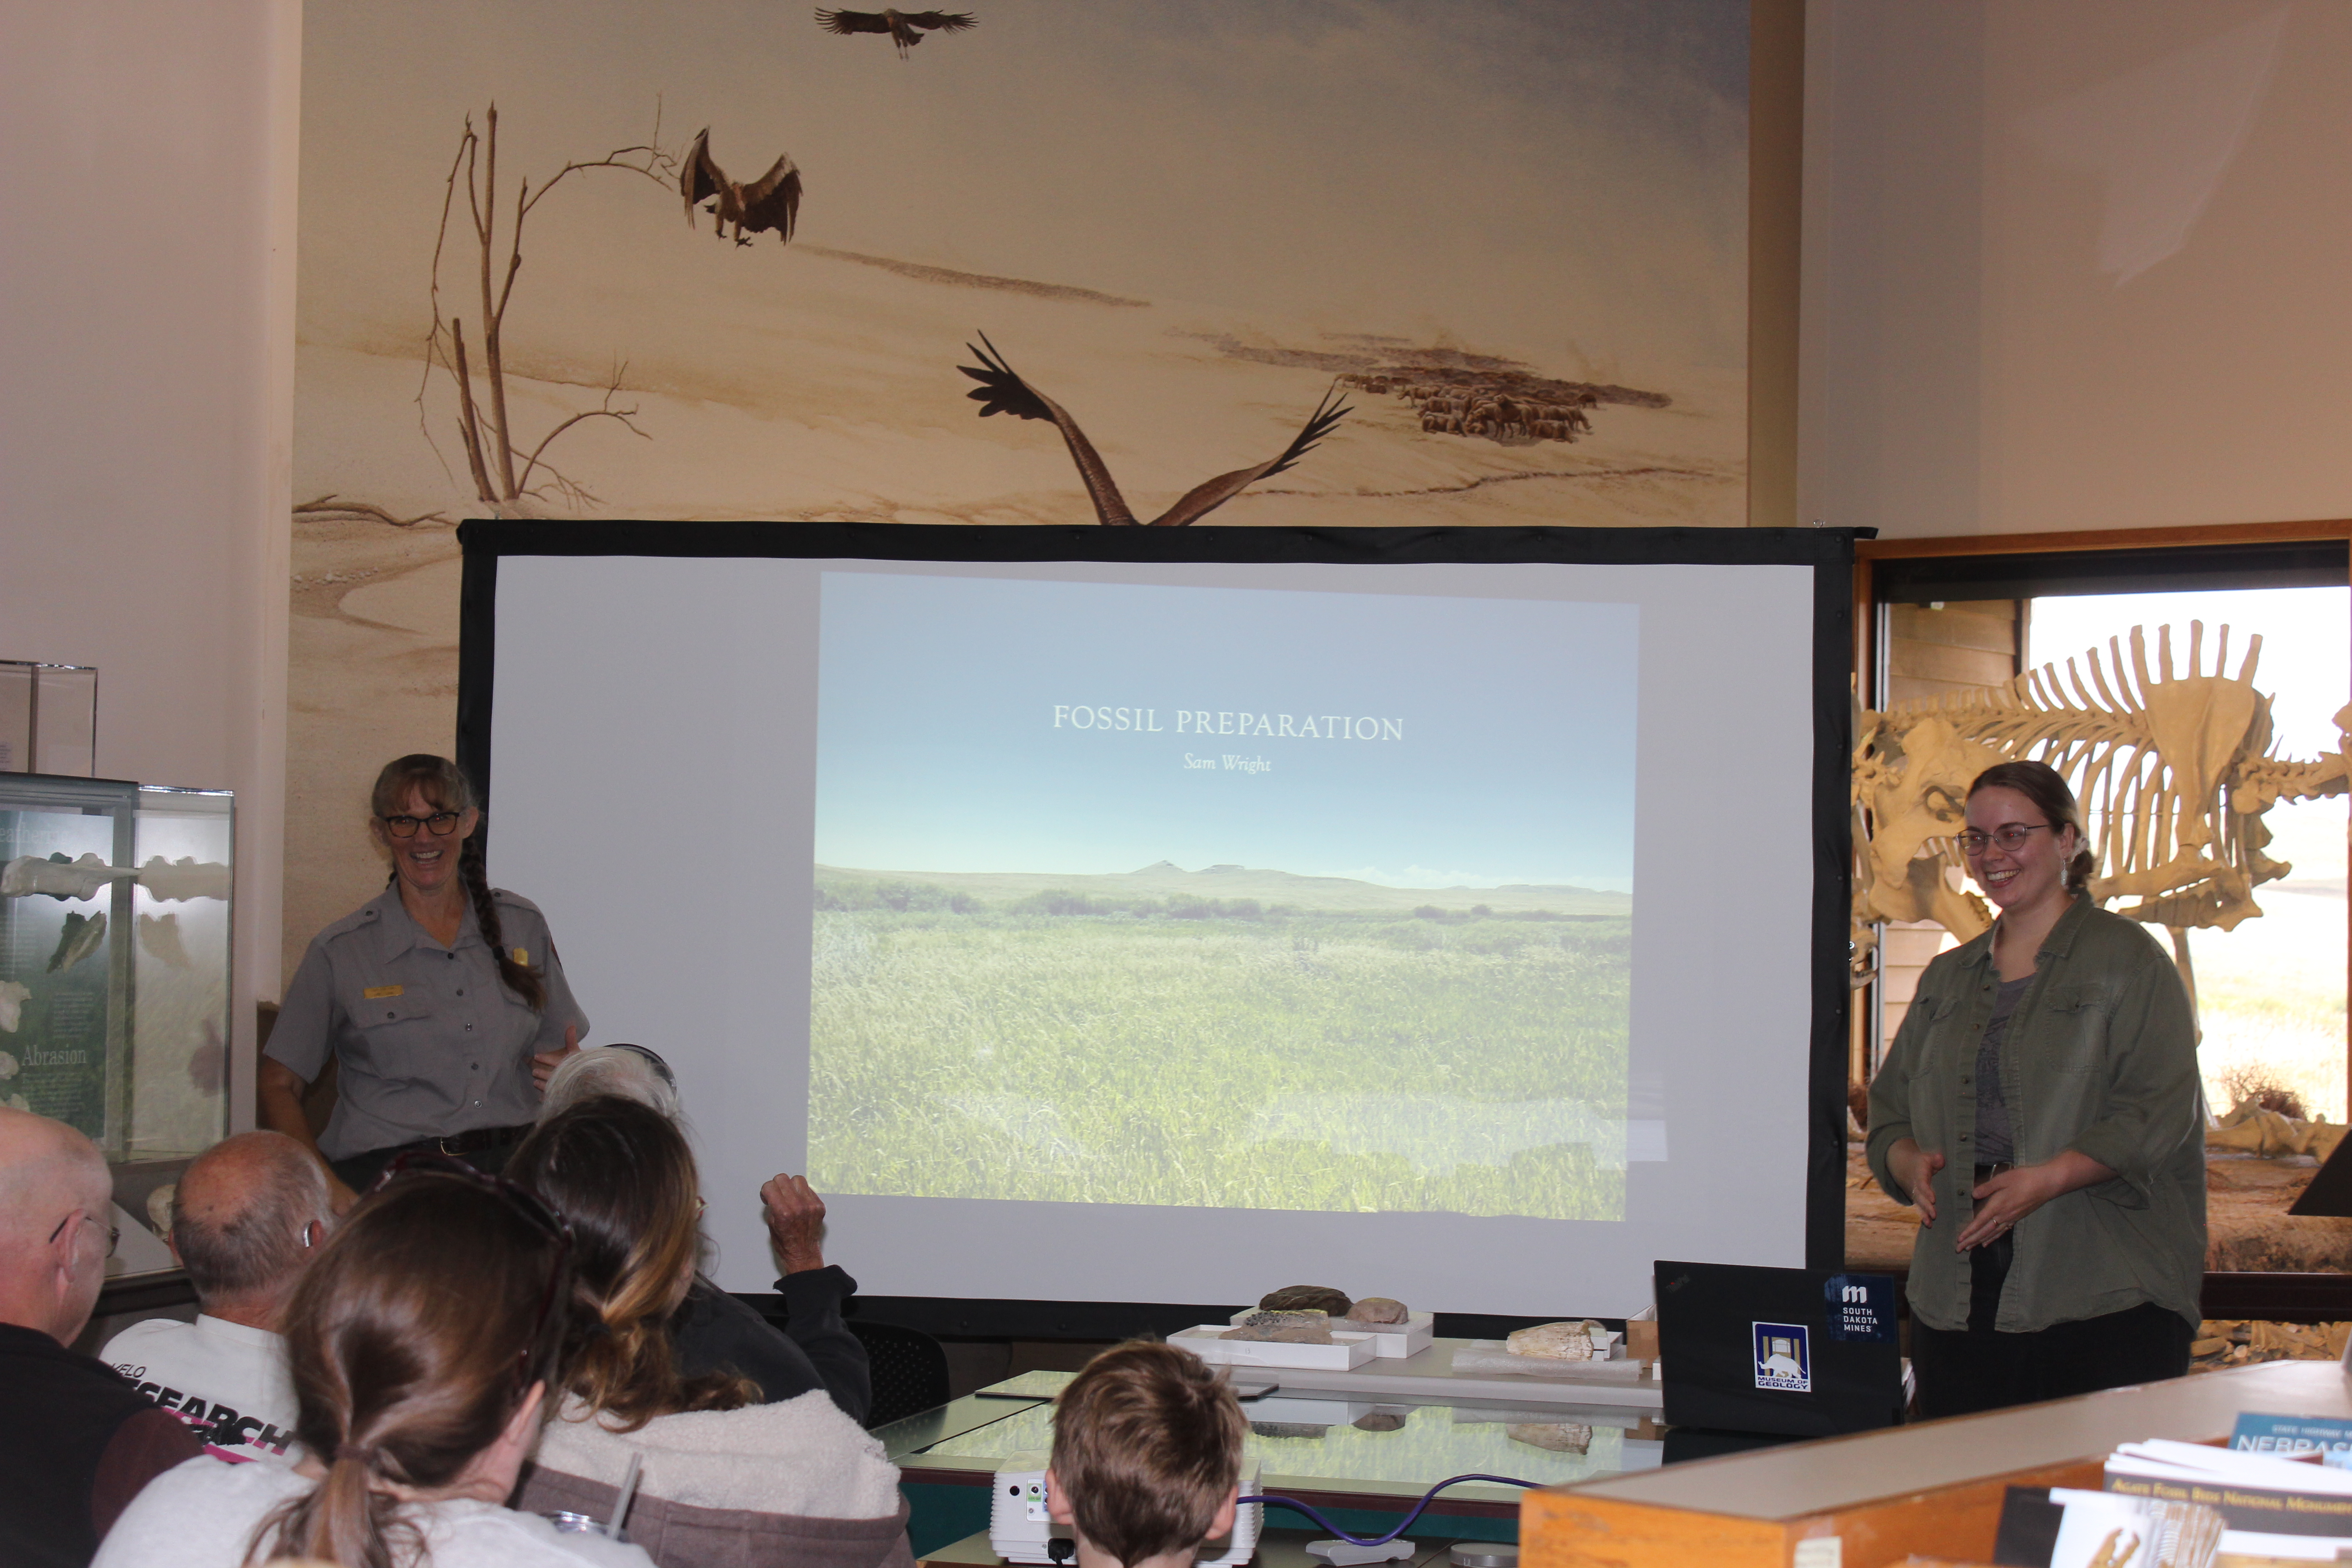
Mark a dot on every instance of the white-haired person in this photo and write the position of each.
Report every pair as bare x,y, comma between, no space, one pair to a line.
249,1216
77,1443
713,1331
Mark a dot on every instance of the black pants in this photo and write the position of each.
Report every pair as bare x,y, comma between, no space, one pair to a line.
1978,1368
358,1172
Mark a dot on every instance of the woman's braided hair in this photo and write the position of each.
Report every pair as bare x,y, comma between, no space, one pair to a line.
444,785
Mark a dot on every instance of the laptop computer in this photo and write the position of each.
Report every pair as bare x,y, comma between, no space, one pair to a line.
1801,1353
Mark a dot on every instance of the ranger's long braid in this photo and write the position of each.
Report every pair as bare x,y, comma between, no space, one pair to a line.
523,982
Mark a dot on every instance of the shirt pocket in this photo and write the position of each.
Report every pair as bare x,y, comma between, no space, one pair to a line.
1935,1043
398,1033
2070,1037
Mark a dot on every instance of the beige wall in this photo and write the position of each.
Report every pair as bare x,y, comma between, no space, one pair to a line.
2066,267
146,318
2076,266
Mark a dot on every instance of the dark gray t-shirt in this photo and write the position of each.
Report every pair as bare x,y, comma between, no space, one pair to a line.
1995,1142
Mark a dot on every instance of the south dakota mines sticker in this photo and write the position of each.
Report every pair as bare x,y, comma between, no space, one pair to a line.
1783,1358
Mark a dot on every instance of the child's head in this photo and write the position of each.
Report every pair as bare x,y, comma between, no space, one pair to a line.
1147,1452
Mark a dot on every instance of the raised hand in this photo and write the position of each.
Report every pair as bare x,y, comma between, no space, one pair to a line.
796,1222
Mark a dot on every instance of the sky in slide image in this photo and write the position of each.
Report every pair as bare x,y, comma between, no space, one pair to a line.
1415,741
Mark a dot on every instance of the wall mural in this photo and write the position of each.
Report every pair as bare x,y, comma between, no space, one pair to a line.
1367,261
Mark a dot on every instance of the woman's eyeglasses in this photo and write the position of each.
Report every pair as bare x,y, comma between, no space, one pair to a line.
402,825
2011,836
523,1201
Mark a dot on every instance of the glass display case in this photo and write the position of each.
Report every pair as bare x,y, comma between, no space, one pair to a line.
114,976
1351,1450
48,718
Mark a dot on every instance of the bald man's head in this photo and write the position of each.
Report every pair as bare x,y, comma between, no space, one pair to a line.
55,1199
248,1217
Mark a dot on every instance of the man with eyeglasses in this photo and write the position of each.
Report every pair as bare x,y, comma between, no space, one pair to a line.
247,1218
76,1442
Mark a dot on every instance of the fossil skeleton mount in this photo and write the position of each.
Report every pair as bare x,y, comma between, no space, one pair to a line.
2175,770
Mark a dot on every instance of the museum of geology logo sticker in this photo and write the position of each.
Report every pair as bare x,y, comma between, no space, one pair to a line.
1784,1358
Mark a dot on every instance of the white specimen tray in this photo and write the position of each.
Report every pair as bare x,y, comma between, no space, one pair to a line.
1432,1378
1345,1352
1390,1340
1495,1355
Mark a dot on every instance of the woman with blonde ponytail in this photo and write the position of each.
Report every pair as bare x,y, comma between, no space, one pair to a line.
423,1343
2041,1106
726,1482
440,999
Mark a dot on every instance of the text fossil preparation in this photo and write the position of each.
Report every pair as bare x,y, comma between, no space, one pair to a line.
1220,721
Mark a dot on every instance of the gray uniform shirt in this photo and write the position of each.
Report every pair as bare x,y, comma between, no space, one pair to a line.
431,1041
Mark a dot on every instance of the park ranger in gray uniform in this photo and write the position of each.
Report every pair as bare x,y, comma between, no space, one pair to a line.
443,1036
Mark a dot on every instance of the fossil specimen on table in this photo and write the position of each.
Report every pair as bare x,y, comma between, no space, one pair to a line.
1561,1341
1305,1298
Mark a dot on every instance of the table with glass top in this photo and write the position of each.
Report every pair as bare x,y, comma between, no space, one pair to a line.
1361,1458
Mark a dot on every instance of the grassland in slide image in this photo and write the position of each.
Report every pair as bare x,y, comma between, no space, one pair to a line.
1088,1044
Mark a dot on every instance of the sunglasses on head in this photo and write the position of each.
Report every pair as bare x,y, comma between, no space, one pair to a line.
661,1068
542,1214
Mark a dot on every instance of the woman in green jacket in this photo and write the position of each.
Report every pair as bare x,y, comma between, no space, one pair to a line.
2041,1106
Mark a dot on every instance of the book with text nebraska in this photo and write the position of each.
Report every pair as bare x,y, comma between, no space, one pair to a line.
2274,1506
2290,1435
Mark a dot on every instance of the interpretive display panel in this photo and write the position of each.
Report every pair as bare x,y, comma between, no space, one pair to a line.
65,969
1135,917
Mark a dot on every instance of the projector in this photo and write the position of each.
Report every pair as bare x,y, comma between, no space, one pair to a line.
1019,1531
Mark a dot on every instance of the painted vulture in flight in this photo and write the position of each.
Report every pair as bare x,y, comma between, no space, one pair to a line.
771,201
1002,390
900,25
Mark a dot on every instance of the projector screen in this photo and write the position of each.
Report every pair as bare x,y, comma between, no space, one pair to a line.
1151,917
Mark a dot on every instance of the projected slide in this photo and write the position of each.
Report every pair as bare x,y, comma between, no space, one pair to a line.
1221,898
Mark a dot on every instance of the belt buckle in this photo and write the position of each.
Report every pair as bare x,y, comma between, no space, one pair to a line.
442,1144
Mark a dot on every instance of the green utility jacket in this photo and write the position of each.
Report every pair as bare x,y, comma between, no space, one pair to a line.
2101,1058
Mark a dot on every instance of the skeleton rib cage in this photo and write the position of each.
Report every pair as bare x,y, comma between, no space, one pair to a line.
2174,772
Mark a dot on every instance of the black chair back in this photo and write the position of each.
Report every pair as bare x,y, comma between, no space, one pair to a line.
909,1370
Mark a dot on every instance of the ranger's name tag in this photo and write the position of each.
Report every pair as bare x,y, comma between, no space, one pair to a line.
378,992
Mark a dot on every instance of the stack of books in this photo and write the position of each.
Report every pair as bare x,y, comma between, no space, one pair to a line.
2279,1493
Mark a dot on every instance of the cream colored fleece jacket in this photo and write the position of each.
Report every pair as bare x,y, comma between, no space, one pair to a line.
802,1456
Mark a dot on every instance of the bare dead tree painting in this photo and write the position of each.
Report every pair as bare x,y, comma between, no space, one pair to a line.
501,469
